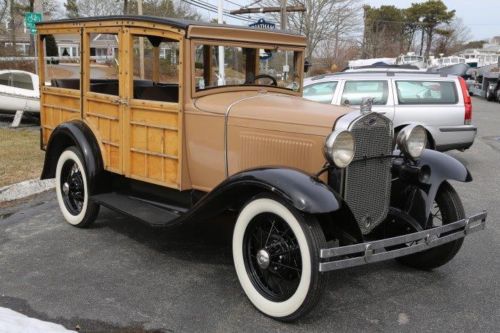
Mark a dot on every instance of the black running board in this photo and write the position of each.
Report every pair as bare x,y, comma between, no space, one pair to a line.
156,215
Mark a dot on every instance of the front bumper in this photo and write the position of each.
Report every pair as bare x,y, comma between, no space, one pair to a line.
389,248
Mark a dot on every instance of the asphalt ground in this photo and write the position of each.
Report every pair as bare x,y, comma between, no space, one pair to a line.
122,276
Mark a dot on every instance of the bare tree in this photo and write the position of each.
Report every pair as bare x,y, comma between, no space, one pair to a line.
87,8
323,20
451,37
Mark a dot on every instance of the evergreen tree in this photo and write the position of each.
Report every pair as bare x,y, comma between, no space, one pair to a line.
71,9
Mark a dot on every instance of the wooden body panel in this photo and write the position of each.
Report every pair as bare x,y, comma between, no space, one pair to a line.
140,139
154,142
58,105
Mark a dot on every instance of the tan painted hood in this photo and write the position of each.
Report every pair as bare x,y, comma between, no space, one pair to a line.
278,112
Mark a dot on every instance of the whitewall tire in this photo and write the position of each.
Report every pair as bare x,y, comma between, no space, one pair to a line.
72,189
276,257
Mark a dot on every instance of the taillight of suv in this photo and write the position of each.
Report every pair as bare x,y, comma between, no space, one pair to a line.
467,102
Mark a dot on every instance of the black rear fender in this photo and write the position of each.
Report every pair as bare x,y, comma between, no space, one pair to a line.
75,133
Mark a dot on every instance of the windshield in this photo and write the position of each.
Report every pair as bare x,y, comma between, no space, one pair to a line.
246,66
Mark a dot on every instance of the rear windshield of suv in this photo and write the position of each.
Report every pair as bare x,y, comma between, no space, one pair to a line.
426,92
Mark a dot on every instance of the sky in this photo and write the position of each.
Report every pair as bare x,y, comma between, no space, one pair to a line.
481,16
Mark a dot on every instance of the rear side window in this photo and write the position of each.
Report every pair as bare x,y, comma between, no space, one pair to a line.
426,92
321,92
21,80
355,91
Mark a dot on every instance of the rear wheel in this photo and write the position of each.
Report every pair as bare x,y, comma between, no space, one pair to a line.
447,209
276,256
72,189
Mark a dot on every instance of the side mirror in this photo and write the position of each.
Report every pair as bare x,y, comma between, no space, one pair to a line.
307,65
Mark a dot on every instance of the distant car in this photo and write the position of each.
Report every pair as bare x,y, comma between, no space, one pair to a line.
19,91
439,102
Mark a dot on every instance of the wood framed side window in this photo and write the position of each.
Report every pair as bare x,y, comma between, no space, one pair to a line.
155,62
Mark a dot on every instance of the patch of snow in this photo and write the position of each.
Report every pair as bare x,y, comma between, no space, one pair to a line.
14,322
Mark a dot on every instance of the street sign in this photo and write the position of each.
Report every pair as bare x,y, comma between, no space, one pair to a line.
31,19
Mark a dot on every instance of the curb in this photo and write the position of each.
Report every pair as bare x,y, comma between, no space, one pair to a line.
25,189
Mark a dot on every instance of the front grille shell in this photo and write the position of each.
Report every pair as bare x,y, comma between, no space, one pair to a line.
367,180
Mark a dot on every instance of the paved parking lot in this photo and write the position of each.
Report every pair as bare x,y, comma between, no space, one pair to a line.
122,276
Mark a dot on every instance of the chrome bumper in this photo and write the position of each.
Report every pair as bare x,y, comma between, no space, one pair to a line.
375,251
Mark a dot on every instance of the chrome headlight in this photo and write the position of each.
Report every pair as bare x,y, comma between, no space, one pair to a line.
412,141
339,148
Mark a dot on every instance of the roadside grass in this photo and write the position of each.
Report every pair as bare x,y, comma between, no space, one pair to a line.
20,155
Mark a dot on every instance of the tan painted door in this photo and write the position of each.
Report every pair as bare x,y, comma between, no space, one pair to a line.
152,150
104,102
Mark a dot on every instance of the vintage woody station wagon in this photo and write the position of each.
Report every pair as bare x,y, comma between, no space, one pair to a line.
169,120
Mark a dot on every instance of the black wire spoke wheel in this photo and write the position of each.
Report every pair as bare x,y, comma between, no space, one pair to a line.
276,257
72,187
447,208
272,257
436,217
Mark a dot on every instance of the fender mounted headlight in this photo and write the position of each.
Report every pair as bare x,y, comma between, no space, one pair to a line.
339,148
412,140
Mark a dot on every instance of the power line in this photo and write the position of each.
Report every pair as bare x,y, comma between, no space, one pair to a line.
211,8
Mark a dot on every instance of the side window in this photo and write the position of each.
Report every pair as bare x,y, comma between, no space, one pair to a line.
321,92
62,67
156,68
5,79
355,91
426,92
22,80
104,64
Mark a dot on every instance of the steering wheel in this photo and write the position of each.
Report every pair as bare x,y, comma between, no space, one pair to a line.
266,76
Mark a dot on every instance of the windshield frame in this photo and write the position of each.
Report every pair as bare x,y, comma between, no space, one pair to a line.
299,67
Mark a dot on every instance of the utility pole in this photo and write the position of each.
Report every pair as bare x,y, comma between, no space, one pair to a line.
141,44
283,15
220,19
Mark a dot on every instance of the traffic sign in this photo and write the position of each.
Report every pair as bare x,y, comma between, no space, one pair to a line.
31,19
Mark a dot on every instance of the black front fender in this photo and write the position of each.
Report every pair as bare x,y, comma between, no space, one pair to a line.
443,167
304,192
300,190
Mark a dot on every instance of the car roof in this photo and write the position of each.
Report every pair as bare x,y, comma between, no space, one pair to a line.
174,22
196,29
2,71
376,75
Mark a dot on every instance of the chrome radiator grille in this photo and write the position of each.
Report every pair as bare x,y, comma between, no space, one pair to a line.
367,182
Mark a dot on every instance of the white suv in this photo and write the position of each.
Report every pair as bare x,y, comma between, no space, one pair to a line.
439,102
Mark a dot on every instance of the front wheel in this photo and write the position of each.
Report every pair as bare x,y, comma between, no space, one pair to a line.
72,189
447,209
276,257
